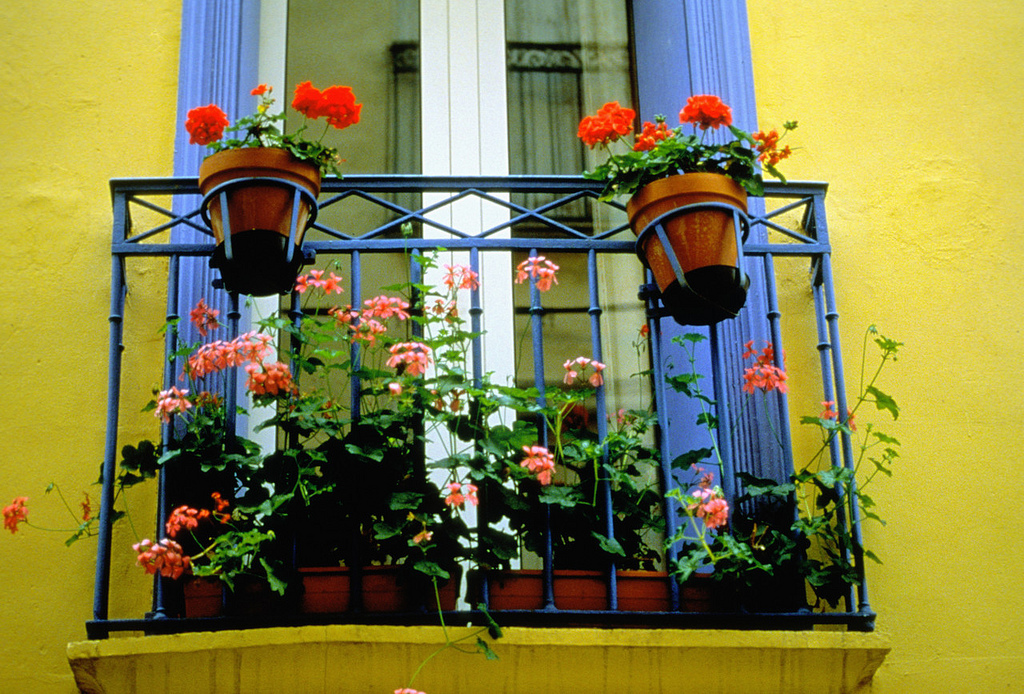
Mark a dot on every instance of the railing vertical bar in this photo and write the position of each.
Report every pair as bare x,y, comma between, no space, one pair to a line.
231,375
725,443
294,228
355,386
775,330
225,220
476,321
601,407
419,444
356,289
670,506
537,335
842,405
476,326
160,584
825,359
295,315
101,589
828,392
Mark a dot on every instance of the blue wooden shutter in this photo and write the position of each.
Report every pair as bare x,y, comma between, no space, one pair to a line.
682,48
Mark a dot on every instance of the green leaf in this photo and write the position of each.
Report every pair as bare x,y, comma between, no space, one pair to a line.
406,501
383,531
769,488
887,345
493,628
691,458
883,401
707,419
485,649
276,584
567,497
374,454
431,569
884,438
501,545
83,531
609,544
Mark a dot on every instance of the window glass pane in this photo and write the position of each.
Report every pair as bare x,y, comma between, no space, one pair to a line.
372,47
565,58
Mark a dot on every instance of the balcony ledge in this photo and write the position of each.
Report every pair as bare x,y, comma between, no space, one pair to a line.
362,658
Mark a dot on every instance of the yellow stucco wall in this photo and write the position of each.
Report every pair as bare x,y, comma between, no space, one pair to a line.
910,110
89,91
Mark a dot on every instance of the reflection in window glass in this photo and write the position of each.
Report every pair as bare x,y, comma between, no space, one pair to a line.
565,58
372,47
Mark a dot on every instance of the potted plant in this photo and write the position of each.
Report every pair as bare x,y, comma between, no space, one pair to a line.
693,255
260,186
351,497
556,495
347,498
352,489
780,541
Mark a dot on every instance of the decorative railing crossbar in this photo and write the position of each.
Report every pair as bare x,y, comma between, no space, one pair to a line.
796,214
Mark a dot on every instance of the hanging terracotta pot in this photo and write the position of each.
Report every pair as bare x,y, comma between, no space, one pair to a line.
697,271
266,199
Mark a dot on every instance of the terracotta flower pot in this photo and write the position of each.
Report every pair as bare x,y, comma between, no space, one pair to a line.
702,242
204,596
258,258
324,590
638,591
207,596
385,589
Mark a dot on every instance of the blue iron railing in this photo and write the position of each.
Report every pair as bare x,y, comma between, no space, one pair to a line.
795,219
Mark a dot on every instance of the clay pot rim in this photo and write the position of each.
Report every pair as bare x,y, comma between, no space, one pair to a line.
684,184
273,159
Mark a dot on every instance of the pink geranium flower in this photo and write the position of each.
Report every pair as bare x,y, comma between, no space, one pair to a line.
539,268
764,375
274,378
412,357
386,307
14,513
165,557
204,317
540,462
460,277
171,401
577,370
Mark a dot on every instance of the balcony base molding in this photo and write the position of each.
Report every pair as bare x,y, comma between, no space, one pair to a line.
363,658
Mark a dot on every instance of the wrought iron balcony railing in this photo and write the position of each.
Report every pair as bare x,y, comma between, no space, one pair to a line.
362,216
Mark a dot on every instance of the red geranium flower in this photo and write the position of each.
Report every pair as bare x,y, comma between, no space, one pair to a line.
607,125
768,147
650,136
205,124
337,104
707,111
307,99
